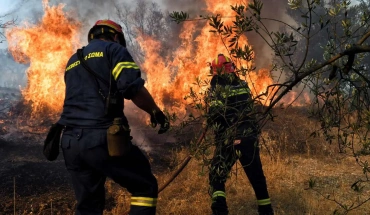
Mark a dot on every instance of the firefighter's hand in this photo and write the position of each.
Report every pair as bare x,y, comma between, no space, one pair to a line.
159,118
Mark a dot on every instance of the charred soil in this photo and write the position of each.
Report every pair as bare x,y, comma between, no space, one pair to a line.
29,184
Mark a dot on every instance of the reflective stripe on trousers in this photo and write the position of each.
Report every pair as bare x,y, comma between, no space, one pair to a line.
144,201
264,201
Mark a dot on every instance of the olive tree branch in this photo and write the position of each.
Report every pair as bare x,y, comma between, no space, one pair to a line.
353,50
307,38
5,25
363,39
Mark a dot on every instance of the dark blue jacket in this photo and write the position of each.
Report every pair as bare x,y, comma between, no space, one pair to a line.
84,105
231,105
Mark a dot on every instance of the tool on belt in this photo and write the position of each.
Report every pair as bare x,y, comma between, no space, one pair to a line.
118,135
119,139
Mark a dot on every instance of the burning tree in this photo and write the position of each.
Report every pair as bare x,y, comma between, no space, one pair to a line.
326,52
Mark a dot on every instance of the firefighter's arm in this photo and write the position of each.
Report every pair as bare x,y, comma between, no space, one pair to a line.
145,101
125,71
129,82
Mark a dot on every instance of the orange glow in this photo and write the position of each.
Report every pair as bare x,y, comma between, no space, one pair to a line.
258,83
190,60
47,47
296,99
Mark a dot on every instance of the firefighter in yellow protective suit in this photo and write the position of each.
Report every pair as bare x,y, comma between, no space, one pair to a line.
236,136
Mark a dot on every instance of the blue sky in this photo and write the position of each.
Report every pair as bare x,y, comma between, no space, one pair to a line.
7,5
30,10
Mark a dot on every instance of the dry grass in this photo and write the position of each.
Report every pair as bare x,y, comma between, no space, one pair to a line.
290,160
287,181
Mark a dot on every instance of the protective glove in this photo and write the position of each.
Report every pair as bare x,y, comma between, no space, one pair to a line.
158,117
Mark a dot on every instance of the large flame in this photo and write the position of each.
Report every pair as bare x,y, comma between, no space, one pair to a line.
47,47
190,60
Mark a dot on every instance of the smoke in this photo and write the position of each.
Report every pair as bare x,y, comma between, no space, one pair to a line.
189,6
88,11
272,9
12,74
23,12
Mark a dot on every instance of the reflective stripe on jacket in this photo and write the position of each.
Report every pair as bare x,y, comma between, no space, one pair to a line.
230,103
84,105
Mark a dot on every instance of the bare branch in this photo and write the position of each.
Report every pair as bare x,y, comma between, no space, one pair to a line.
353,50
362,40
5,25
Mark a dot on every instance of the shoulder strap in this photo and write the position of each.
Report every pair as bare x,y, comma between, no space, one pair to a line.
83,63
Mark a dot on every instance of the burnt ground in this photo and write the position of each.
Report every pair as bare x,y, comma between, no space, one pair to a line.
37,183
29,184
26,176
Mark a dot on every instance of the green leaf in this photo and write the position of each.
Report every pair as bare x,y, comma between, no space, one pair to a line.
333,12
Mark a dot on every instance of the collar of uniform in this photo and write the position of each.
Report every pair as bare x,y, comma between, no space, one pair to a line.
225,79
95,40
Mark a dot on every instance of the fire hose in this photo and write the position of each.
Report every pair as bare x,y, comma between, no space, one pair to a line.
187,160
184,163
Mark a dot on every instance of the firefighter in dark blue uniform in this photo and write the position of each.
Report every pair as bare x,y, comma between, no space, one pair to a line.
236,136
85,117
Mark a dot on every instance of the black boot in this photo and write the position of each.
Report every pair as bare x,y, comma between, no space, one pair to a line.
265,210
219,206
